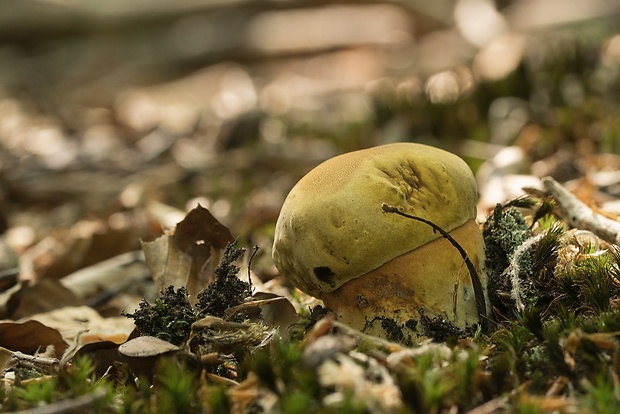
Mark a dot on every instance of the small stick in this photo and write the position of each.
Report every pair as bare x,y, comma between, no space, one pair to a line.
481,305
39,360
579,215
254,251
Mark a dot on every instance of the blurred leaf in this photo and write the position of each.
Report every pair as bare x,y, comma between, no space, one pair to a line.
103,354
30,337
6,360
86,324
65,251
44,296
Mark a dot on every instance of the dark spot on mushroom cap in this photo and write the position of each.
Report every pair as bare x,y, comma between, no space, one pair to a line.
325,274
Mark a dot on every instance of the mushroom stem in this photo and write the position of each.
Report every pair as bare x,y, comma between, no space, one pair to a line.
475,278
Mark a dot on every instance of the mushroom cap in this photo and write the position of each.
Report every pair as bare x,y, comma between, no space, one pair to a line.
332,228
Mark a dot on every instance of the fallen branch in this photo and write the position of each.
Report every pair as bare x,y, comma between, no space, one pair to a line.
579,215
40,363
40,360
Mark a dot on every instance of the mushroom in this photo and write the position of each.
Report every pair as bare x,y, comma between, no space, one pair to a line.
333,239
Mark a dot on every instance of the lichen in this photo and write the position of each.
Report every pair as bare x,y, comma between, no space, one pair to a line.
503,232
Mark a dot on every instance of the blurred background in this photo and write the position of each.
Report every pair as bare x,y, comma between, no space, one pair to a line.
117,116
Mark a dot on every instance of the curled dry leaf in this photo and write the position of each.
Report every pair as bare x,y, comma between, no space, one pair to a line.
219,324
320,328
549,404
103,354
579,215
248,392
362,377
30,337
106,276
326,347
187,255
7,360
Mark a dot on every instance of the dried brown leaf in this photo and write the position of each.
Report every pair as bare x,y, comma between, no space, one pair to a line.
43,296
7,360
187,256
30,337
104,354
109,275
66,251
86,323
168,265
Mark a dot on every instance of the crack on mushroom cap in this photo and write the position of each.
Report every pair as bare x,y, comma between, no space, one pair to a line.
334,212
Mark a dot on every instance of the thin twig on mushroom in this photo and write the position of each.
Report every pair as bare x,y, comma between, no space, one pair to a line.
481,305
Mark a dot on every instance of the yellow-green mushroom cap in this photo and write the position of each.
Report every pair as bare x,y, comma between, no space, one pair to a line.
332,228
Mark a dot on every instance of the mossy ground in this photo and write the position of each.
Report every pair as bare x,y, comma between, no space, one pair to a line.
560,353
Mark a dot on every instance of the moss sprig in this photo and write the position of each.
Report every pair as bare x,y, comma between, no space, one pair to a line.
168,317
227,290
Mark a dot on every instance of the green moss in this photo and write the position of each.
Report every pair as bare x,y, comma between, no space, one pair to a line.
176,388
504,231
282,370
601,396
227,290
521,262
169,317
590,285
73,381
440,378
37,393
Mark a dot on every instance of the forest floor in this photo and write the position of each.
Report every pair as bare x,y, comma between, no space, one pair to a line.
141,178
